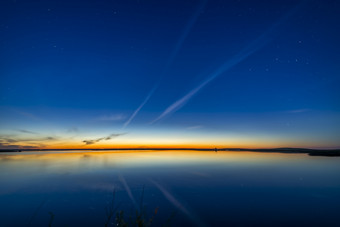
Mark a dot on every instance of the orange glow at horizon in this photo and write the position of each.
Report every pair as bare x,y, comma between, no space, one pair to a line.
170,141
201,145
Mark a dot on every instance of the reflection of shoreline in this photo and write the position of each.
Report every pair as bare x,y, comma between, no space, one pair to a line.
312,152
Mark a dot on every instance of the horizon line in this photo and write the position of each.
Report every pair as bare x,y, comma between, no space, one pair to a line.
173,148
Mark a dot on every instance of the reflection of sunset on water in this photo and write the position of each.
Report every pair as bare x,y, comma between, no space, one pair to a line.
190,181
180,113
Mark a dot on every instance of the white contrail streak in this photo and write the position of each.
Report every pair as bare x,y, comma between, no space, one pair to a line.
171,58
140,107
184,35
241,56
179,103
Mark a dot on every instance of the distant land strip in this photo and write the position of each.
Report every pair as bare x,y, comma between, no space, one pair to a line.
311,152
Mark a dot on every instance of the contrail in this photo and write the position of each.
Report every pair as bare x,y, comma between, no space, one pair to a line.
178,205
184,35
241,56
171,58
179,103
140,107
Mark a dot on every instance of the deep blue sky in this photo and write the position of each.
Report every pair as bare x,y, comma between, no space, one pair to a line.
239,70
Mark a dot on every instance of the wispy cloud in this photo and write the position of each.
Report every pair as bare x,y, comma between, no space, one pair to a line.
30,115
298,111
8,142
37,139
73,130
247,51
194,127
171,58
9,146
112,117
111,136
27,131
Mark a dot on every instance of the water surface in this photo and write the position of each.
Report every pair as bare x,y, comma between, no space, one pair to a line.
202,188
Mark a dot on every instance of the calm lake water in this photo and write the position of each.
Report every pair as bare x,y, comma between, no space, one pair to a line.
200,188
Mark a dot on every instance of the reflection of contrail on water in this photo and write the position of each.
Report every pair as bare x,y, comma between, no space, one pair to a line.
241,56
178,205
171,58
127,188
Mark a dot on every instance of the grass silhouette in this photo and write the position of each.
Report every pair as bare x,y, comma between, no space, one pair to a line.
141,218
116,217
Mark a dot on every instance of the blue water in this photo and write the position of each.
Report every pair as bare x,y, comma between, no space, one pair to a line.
198,188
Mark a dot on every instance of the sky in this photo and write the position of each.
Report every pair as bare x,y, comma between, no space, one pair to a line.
147,73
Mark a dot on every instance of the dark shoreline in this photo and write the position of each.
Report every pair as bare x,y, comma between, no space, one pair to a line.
311,152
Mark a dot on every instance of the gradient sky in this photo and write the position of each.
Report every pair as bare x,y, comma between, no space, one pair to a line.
195,73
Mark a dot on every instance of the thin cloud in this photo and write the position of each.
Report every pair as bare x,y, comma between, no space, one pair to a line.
38,139
112,117
194,127
13,142
73,130
27,131
298,111
89,142
249,50
10,146
8,143
30,116
111,136
114,135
